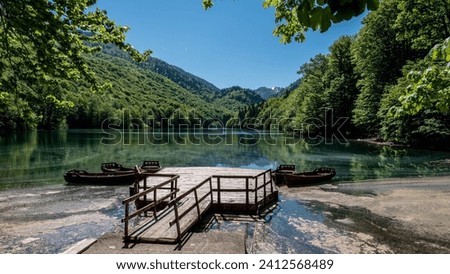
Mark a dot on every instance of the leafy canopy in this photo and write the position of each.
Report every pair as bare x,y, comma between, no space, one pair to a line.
43,39
430,87
295,17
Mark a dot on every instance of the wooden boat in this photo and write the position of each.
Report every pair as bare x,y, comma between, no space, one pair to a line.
278,174
150,167
115,167
146,168
317,176
75,176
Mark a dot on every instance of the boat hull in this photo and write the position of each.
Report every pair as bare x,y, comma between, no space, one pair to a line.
83,177
150,167
318,176
278,174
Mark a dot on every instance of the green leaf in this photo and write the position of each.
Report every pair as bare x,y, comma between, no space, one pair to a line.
320,2
447,50
316,18
345,14
373,4
325,20
325,24
343,2
207,4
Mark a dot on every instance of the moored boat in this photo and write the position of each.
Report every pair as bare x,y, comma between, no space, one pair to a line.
115,167
317,176
75,176
147,167
278,174
150,167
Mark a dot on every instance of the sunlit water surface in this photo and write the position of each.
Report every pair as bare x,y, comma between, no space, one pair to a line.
32,166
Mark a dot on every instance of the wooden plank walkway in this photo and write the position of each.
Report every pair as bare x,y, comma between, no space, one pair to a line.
192,192
165,230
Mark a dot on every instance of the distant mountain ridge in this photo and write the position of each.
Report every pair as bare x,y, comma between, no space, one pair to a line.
243,95
266,92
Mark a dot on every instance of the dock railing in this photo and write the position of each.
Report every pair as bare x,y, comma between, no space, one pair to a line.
246,194
194,210
142,195
244,197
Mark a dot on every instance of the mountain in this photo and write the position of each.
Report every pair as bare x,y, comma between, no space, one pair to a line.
224,100
136,96
266,92
235,98
151,90
184,79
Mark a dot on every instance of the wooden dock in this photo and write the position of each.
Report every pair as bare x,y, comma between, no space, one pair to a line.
175,199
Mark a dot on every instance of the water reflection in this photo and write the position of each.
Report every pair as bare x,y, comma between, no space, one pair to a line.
41,157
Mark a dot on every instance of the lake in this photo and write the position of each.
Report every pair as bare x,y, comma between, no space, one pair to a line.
41,214
41,157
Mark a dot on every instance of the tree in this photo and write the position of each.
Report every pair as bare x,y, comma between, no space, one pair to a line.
342,91
43,39
42,43
399,31
295,17
426,24
424,126
308,100
423,23
430,87
378,57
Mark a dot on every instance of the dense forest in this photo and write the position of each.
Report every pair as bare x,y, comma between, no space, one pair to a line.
138,94
391,81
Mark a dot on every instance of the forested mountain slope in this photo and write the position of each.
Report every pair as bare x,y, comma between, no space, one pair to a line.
181,77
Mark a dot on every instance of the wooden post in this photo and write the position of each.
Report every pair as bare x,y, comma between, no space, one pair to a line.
125,229
247,200
218,191
176,186
145,196
256,190
265,185
271,182
196,202
154,203
211,190
177,221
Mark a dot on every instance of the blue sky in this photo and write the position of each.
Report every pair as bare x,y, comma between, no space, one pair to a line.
230,44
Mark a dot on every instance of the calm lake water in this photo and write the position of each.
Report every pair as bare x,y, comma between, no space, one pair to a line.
41,214
41,157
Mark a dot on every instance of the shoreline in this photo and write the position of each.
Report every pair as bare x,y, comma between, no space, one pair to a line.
380,142
418,208
394,216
